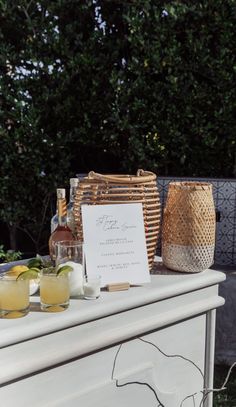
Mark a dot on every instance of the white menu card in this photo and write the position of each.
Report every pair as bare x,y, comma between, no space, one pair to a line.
115,244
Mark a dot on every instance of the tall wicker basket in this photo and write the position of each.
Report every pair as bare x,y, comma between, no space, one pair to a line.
188,235
97,189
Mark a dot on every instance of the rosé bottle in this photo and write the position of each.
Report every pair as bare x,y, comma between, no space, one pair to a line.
62,231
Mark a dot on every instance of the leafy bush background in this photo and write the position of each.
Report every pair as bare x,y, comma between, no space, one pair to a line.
110,86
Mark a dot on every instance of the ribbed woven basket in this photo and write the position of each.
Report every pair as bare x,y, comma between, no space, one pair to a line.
98,189
188,234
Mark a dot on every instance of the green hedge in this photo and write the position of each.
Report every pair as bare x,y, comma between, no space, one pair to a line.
111,86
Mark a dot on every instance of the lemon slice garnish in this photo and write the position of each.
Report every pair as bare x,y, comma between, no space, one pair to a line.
16,270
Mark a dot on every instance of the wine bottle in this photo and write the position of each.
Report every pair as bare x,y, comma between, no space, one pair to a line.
62,231
54,222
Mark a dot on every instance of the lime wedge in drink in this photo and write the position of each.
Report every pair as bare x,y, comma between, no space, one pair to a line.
64,270
30,274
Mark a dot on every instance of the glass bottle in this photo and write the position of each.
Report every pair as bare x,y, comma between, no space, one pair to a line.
70,207
54,222
62,231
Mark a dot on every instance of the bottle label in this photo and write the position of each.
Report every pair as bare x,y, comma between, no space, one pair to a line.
62,208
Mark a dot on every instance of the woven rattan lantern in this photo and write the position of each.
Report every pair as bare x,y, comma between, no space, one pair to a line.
98,189
188,236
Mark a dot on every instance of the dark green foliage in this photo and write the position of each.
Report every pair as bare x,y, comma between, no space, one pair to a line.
227,397
9,255
111,86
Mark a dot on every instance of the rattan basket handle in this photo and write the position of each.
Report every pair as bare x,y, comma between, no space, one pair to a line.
142,176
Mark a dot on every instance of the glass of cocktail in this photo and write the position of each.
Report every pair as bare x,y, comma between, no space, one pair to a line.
54,290
14,297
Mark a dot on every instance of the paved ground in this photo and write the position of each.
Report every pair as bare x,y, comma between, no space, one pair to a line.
226,319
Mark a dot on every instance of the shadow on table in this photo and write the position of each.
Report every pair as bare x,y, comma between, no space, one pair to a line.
35,307
159,268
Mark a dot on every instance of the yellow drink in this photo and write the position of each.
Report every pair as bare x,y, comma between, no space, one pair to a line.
54,292
14,297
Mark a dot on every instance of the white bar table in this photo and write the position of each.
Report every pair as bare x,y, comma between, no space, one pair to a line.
152,345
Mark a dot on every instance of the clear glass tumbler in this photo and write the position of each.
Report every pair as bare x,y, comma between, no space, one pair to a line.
92,286
14,297
70,253
54,291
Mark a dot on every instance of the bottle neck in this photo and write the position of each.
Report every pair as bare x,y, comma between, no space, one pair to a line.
61,207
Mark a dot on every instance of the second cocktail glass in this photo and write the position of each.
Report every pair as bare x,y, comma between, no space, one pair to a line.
54,291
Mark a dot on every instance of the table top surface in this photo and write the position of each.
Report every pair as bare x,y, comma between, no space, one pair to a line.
164,284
